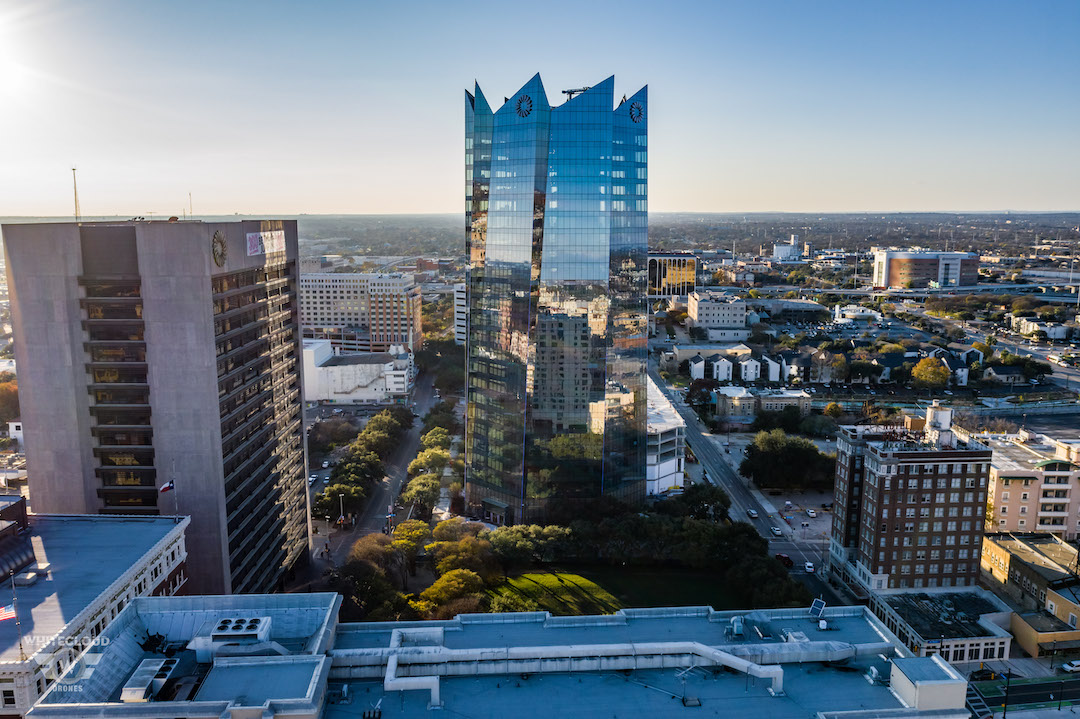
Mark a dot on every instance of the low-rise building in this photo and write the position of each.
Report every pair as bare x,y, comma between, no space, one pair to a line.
1021,566
734,404
73,575
970,625
1034,484
665,443
776,400
779,663
366,378
1004,375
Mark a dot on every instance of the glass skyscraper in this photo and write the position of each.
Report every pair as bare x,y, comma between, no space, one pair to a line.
556,211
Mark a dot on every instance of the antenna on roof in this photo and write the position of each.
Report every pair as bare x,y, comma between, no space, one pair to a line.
577,91
189,210
75,186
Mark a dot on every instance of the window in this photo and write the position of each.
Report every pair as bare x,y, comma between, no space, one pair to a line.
1072,620
9,697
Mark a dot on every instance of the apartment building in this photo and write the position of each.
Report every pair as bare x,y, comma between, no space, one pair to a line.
722,314
361,312
921,503
1034,484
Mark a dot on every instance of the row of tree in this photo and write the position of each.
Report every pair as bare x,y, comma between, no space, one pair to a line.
777,460
361,467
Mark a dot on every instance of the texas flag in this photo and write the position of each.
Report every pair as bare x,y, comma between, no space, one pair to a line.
167,487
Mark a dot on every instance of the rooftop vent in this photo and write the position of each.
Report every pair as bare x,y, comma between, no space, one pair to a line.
241,630
140,685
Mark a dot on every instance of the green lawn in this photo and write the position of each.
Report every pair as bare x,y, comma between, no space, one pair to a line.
561,593
603,589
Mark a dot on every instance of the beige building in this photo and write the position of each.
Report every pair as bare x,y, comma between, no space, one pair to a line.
361,312
721,313
1034,484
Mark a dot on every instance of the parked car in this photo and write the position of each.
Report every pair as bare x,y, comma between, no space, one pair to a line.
1071,667
311,479
785,560
776,531
751,513
811,513
809,567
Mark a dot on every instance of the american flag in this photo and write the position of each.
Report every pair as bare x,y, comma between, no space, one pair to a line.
7,612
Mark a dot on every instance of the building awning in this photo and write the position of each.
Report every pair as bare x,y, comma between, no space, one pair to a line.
495,503
1059,646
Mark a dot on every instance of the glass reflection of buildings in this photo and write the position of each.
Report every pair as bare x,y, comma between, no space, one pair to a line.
556,232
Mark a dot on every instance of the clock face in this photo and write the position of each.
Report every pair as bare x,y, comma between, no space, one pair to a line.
219,249
523,106
637,112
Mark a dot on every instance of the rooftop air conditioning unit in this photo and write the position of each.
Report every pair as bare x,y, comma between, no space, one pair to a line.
139,685
237,630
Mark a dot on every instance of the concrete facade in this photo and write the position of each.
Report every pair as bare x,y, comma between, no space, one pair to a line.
167,351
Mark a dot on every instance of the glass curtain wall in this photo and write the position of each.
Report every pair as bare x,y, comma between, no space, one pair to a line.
557,265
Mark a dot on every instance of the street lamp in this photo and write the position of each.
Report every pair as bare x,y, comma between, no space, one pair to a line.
342,519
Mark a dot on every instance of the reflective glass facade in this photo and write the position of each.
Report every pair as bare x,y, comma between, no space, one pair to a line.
556,232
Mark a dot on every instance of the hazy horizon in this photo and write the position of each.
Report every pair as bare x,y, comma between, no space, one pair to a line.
339,108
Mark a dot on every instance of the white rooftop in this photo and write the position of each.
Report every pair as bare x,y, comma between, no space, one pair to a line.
661,414
86,556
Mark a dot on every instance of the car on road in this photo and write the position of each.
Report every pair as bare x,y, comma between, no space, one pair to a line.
776,531
751,513
325,463
811,513
311,479
809,567
1071,667
326,479
785,560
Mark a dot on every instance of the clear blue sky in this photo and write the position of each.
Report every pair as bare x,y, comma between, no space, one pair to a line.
288,107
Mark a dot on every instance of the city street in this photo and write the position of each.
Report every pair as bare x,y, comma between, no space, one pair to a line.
373,517
712,458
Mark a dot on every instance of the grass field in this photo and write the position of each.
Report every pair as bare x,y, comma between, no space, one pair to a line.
603,590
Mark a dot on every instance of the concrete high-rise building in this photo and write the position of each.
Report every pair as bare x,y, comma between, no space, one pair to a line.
158,352
923,268
361,312
556,233
909,504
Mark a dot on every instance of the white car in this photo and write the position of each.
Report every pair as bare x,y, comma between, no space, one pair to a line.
325,463
776,531
1071,667
751,513
811,513
311,479
809,567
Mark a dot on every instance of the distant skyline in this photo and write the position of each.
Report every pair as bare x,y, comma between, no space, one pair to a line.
345,107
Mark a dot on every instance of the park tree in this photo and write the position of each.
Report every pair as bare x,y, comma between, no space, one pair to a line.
930,372
466,553
358,468
834,410
454,584
776,459
451,530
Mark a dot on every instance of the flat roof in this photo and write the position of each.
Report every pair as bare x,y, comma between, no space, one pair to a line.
952,615
1043,552
252,683
361,359
1044,621
1013,456
789,637
86,555
923,669
661,414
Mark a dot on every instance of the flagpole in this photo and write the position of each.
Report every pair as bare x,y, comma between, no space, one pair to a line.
176,494
15,608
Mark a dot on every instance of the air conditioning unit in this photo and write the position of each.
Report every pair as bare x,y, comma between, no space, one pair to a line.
241,630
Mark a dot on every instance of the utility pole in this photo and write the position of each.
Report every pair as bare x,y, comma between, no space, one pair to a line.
75,186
